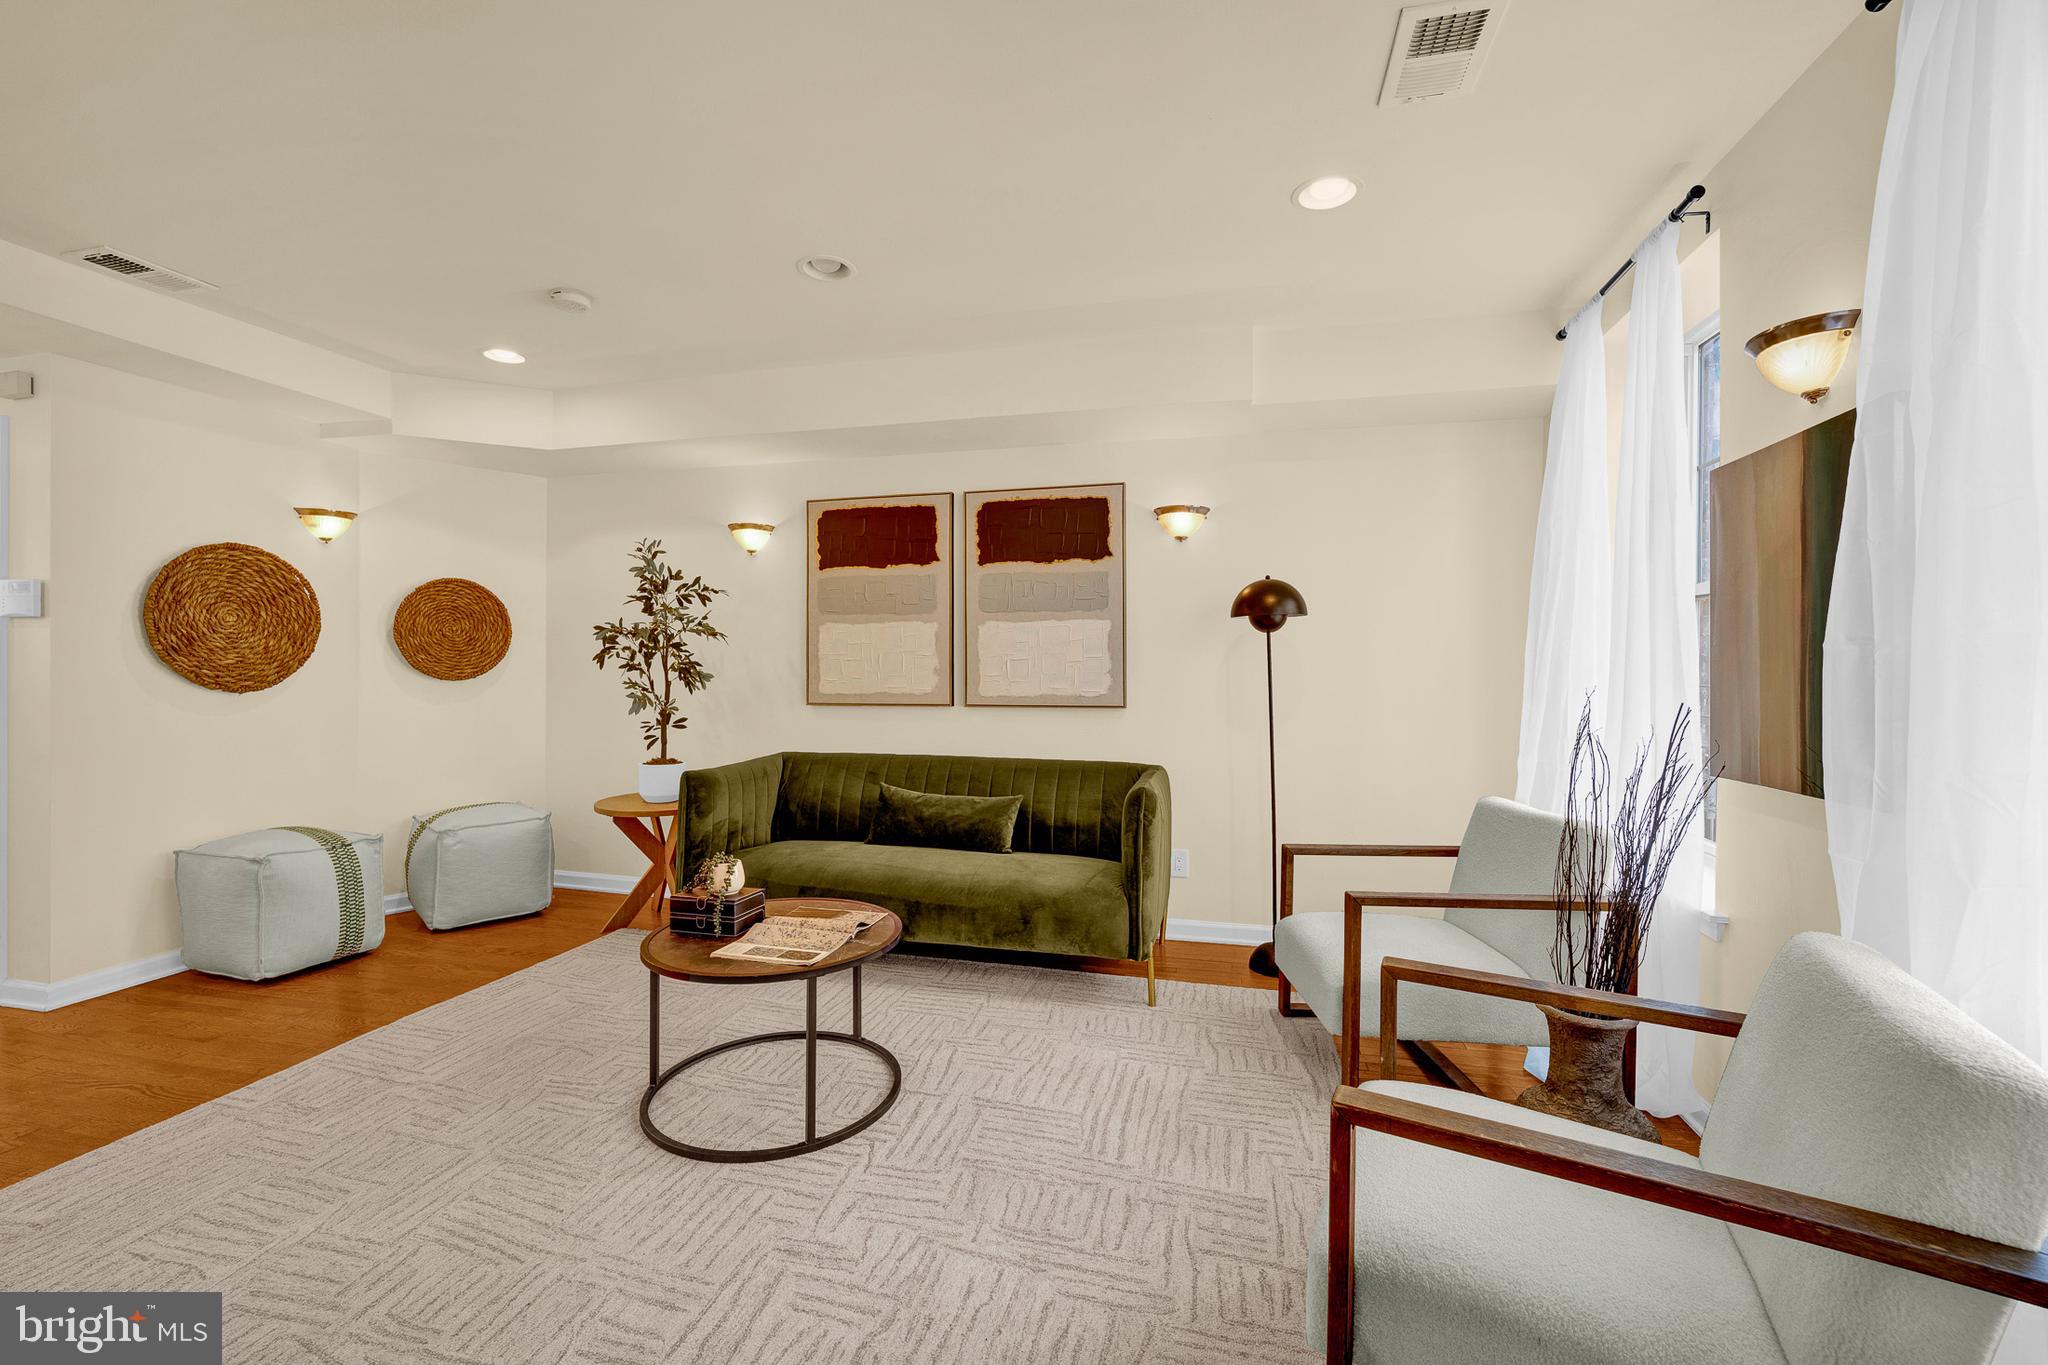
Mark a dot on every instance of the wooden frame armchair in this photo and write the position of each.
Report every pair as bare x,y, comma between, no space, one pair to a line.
1505,863
1990,1107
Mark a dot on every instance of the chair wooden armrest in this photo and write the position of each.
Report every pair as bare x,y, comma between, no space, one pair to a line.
1354,932
1475,900
1289,852
1918,1247
1393,970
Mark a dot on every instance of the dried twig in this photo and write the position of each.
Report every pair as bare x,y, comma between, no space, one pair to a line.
1619,851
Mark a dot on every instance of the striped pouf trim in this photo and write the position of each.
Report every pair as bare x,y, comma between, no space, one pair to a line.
348,878
420,827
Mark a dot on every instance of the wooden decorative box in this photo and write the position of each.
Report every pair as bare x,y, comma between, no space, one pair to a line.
716,916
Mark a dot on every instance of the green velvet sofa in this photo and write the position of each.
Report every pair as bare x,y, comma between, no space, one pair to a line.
1087,875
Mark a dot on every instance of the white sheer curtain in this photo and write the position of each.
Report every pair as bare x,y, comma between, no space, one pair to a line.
1571,575
1935,696
1655,662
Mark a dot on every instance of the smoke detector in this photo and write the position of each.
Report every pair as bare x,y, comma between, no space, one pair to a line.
137,271
1438,50
571,300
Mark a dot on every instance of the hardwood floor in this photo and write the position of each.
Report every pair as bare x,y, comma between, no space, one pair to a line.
80,1077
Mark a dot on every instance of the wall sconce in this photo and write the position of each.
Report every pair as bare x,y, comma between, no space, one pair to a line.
325,522
1180,520
1805,355
751,535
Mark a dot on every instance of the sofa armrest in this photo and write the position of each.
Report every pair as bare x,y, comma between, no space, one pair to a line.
726,809
1148,858
2015,1272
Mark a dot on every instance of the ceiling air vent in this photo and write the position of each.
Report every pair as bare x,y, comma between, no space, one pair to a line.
1438,50
137,270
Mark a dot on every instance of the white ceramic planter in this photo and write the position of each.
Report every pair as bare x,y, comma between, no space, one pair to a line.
661,782
731,881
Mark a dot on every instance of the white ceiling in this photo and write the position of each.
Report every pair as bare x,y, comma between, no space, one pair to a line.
402,181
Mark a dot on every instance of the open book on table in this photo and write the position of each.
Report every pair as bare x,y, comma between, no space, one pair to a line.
798,940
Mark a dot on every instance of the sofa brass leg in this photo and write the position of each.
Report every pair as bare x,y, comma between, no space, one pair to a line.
1151,981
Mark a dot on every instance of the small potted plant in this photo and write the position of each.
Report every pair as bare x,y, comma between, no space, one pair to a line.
720,875
654,658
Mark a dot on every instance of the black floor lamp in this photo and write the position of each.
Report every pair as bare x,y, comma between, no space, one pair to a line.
1267,604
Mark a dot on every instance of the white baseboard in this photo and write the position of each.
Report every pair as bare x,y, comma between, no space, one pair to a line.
51,995
43,996
615,882
1218,931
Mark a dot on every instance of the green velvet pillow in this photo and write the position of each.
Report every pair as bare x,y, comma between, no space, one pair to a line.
978,824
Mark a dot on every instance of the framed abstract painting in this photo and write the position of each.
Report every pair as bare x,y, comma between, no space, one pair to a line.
878,619
1044,577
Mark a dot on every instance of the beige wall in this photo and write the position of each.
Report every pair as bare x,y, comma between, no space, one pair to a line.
117,761
1399,694
1792,206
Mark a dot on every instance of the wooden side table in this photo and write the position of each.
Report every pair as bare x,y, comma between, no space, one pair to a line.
628,812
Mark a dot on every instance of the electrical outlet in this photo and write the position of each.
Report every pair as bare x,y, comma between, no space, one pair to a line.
1180,862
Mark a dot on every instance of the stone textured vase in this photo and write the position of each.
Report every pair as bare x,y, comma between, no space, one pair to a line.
1584,1084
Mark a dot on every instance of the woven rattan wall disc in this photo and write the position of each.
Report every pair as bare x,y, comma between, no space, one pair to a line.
451,628
231,617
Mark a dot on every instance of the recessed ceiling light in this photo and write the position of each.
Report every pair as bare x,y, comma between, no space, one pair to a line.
504,357
826,267
1326,192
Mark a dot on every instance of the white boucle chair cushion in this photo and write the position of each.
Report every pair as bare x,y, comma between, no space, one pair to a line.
1309,948
1510,849
273,901
1462,1261
1854,1082
472,864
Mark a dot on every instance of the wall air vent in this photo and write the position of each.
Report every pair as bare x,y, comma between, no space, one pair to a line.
1438,50
136,270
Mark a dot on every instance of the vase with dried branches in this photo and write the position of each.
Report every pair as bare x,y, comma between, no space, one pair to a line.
1613,860
655,658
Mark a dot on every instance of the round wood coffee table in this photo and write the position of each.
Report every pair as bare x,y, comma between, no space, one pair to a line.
689,959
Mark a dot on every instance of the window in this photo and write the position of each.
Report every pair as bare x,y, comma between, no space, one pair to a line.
1703,351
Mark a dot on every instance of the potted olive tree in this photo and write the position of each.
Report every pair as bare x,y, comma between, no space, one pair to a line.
655,659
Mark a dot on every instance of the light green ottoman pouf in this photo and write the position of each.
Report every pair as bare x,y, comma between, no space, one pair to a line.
469,864
260,905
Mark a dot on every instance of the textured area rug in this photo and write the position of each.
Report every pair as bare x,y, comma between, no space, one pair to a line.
1068,1177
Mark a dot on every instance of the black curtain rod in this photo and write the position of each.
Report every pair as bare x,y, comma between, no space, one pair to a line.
1679,214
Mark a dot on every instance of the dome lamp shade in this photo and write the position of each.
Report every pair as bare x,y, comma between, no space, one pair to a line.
1268,603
